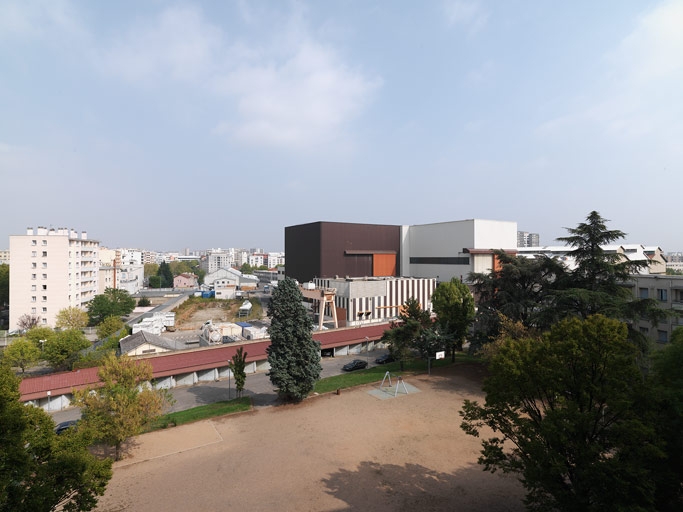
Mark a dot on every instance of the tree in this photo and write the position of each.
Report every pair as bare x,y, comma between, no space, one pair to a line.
237,367
293,355
62,349
40,335
26,322
151,269
144,302
113,302
246,268
521,289
566,411
453,304
109,326
123,404
21,353
596,285
166,275
71,318
38,469
667,379
154,281
4,284
404,335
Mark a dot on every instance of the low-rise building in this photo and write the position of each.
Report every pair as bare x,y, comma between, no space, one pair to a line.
185,281
668,292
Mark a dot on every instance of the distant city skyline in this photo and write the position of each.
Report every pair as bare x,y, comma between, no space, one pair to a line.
208,124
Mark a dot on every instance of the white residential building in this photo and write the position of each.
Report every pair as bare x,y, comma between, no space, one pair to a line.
50,270
4,257
257,260
275,259
674,261
131,257
217,259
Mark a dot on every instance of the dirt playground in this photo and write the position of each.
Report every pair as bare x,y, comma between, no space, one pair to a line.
346,452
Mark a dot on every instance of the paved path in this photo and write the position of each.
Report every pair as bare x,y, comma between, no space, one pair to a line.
257,386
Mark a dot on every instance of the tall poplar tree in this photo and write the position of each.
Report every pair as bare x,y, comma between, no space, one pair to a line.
293,355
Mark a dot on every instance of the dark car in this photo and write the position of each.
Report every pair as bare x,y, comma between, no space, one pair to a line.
356,364
386,358
64,426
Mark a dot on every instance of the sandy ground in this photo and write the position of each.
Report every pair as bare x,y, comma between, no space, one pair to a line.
344,452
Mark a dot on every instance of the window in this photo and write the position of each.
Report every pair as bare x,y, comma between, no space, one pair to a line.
34,265
44,320
44,298
44,276
662,294
662,336
44,264
33,242
33,298
44,254
33,276
44,242
44,287
33,311
44,310
34,254
642,293
644,330
33,287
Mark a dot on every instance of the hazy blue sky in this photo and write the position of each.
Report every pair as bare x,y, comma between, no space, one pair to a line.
165,125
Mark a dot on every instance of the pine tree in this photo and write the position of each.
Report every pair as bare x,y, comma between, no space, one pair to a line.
293,355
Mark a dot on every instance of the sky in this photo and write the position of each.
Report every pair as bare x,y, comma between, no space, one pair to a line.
172,125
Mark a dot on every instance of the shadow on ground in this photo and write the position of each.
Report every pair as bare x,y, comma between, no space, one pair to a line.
104,451
207,394
415,487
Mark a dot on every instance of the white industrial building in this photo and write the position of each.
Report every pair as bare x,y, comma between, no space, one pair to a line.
365,300
454,249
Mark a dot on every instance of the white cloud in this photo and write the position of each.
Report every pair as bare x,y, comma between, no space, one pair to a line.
179,45
639,92
288,91
300,101
31,20
654,50
468,13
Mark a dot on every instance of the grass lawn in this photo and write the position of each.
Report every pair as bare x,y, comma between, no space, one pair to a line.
201,413
376,373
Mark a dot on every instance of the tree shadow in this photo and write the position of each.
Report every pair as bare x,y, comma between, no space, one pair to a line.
105,451
208,394
388,487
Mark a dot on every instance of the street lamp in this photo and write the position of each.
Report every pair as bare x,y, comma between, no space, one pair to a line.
367,350
41,344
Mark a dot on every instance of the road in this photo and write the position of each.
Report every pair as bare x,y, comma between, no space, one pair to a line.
257,386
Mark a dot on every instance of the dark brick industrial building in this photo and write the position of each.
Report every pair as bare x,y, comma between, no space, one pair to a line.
337,249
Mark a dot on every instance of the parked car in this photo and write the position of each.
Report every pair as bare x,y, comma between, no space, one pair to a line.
327,352
64,426
356,364
386,358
